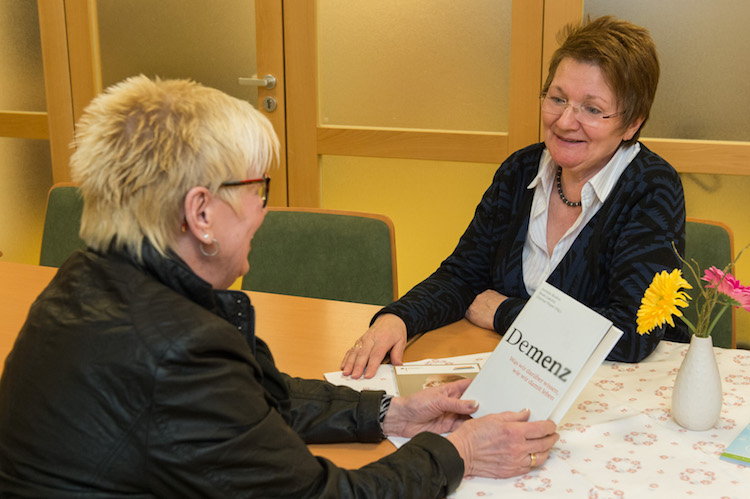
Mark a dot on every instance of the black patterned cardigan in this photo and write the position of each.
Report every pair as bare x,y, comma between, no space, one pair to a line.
608,267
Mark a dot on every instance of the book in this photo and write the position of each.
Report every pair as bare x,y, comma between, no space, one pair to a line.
545,358
738,451
412,378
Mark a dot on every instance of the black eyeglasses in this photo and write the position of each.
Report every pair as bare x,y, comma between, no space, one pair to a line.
264,189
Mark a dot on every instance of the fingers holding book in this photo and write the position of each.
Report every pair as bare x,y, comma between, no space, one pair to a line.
503,445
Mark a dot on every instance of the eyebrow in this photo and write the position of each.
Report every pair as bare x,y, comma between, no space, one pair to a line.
586,98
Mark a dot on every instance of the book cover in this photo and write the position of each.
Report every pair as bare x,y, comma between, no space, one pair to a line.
412,378
545,358
738,451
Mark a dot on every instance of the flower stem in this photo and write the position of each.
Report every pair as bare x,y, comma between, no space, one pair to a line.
690,325
713,322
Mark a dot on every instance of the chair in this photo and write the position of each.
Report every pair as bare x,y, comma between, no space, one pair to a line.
710,243
62,223
329,254
316,253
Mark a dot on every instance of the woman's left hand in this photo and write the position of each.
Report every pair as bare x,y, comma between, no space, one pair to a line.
482,310
437,409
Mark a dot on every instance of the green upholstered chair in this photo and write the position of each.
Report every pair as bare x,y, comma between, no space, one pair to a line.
62,222
305,252
710,243
327,254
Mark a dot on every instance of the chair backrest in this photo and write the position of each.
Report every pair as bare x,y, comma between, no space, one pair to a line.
309,252
62,223
329,254
710,243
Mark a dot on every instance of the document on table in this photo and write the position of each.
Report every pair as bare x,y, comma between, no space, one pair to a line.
385,377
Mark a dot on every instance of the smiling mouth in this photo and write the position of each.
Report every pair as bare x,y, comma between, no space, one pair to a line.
569,141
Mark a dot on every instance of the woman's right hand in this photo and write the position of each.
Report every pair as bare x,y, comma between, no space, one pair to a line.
501,445
387,334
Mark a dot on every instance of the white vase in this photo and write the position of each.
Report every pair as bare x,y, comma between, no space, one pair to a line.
697,395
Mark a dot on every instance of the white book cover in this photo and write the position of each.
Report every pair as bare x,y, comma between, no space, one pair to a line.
545,358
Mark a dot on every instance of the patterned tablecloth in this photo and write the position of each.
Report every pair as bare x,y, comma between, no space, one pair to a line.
618,439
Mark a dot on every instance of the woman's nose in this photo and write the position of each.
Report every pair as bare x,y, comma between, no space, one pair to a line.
568,118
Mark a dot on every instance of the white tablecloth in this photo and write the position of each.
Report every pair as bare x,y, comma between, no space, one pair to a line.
618,440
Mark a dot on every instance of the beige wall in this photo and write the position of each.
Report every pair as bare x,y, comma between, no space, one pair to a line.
430,203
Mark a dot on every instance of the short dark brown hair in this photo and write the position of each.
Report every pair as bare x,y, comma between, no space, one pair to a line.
627,56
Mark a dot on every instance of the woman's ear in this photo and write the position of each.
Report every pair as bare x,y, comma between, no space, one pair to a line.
198,213
630,131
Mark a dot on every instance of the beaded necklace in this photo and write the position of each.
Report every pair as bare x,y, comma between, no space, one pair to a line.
560,191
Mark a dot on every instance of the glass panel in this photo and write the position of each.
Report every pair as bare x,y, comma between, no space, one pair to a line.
209,42
704,65
26,170
21,71
429,208
432,64
712,197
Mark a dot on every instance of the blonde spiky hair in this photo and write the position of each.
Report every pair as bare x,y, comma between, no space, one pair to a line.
142,144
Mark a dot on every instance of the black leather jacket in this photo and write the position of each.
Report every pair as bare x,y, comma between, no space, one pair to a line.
140,380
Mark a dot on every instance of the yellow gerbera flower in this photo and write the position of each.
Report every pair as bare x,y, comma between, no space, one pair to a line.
661,299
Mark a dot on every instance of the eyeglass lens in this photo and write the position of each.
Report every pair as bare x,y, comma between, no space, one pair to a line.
585,114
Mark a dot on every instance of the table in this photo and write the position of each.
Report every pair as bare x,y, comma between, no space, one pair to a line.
617,440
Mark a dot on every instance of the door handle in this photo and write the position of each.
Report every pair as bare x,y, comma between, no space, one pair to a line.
268,81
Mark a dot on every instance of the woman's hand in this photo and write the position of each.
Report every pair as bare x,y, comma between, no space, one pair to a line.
438,409
387,333
482,310
501,445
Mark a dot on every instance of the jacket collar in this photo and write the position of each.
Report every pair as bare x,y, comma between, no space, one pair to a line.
173,272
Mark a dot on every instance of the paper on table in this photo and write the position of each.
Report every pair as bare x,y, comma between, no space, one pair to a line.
412,378
385,379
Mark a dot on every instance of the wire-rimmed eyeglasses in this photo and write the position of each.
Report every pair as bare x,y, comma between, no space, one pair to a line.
586,114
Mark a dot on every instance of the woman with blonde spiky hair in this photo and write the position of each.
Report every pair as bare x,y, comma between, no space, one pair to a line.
138,374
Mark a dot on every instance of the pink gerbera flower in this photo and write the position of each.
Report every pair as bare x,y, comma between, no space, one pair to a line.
729,286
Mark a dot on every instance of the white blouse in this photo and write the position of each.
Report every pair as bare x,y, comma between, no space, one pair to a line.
538,264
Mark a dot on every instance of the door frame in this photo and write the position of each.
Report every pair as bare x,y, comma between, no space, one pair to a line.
307,139
72,74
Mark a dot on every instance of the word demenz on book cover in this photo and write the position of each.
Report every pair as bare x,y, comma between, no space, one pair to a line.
545,358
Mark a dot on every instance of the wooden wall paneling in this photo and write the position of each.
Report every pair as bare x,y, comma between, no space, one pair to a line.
270,51
413,144
24,125
83,52
300,42
525,70
703,156
57,85
557,14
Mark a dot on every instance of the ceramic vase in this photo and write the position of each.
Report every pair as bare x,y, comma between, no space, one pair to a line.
697,395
